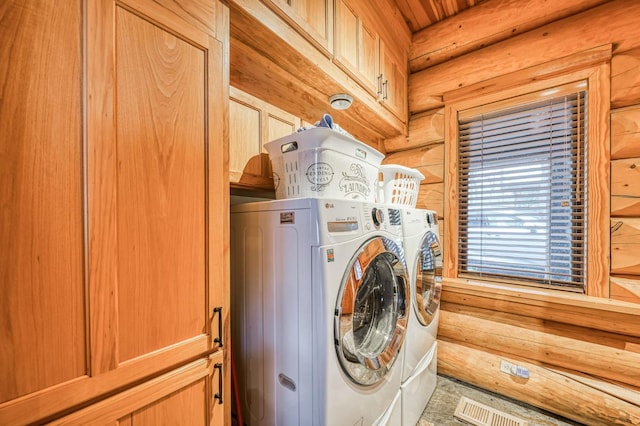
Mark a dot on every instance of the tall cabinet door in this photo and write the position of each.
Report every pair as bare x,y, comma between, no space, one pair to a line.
113,171
156,153
42,286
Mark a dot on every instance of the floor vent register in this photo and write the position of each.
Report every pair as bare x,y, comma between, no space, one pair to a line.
479,414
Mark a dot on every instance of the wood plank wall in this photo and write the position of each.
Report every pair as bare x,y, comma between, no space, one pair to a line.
583,353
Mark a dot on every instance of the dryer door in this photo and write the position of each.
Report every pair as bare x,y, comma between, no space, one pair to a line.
428,273
371,311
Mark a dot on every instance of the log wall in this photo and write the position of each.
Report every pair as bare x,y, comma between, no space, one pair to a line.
582,352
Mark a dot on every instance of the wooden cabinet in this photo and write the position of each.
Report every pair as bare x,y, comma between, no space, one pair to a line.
252,123
393,83
273,60
43,323
312,18
189,395
362,52
356,46
113,166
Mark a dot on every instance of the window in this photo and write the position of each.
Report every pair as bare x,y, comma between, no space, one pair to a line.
521,183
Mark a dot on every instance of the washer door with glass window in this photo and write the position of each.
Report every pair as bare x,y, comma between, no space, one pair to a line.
428,273
371,311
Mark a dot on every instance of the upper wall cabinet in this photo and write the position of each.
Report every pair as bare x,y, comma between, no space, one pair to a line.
363,53
356,46
393,80
273,59
313,17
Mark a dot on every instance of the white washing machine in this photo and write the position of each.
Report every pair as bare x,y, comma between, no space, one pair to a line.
424,262
320,303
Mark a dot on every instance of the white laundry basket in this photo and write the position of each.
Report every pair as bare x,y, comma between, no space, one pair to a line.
399,185
324,163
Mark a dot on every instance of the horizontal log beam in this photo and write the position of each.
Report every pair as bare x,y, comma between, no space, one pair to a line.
537,77
545,388
625,177
429,160
542,344
625,79
622,206
611,23
625,246
629,394
431,197
625,132
424,129
609,339
485,24
569,308
627,289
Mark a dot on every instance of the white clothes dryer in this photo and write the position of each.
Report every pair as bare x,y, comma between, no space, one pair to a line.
320,304
424,261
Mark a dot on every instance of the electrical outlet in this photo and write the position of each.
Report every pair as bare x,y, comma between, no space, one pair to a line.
514,370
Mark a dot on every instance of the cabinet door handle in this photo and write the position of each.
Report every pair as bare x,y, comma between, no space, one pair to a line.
379,92
218,395
386,89
218,340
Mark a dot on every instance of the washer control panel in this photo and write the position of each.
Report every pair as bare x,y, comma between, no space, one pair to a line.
342,218
380,217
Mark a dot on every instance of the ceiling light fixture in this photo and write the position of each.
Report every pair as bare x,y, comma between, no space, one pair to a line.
340,101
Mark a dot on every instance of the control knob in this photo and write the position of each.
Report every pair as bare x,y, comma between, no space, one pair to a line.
377,215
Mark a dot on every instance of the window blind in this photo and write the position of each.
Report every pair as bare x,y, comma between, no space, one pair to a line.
521,182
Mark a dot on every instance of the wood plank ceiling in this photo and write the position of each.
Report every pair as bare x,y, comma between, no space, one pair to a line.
420,14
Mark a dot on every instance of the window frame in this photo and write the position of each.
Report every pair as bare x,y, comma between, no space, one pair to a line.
525,104
597,165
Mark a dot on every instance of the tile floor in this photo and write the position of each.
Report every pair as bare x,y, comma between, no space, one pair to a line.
441,406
